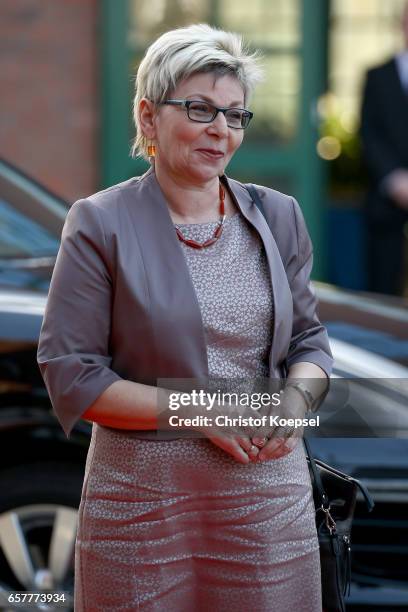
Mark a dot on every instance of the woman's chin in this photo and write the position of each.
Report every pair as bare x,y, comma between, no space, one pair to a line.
196,171
204,173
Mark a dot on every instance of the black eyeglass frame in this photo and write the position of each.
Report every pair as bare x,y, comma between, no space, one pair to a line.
186,104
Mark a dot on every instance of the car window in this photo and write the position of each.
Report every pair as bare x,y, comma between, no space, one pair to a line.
21,236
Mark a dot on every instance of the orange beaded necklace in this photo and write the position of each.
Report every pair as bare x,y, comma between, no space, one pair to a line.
218,230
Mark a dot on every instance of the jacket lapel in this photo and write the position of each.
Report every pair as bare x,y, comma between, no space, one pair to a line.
281,294
174,310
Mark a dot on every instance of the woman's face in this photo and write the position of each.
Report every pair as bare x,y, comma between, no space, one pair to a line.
198,152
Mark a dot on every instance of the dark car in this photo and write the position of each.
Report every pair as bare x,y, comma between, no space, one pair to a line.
41,471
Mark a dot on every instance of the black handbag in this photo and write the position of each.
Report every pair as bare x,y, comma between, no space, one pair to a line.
334,495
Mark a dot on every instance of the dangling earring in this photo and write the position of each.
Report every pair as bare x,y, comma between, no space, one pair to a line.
151,151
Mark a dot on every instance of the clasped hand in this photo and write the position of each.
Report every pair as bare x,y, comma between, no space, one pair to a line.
256,444
279,440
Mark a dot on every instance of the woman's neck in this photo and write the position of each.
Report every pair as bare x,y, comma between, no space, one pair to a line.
192,203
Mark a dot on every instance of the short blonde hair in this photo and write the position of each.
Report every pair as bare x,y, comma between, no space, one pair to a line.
180,53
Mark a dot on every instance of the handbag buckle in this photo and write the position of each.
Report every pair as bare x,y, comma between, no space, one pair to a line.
330,522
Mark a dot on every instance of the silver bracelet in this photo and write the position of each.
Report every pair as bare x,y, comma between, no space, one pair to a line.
304,392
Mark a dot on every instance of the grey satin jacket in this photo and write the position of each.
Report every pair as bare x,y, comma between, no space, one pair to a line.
121,303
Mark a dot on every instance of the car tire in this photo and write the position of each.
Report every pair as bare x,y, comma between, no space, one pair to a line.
38,514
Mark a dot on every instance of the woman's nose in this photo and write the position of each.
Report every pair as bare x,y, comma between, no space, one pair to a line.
219,125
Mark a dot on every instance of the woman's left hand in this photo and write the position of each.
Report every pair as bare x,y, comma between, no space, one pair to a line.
281,440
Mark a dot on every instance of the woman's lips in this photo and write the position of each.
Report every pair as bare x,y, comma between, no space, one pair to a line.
211,153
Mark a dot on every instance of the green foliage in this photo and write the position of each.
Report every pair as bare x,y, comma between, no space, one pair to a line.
347,174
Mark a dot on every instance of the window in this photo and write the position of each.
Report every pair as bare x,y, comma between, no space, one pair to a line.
21,236
272,27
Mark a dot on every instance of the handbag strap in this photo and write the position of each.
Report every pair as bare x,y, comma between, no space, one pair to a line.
324,500
255,197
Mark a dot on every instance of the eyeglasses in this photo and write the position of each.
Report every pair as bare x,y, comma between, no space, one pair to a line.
203,112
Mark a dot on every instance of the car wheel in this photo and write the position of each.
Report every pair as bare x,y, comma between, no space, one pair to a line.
38,518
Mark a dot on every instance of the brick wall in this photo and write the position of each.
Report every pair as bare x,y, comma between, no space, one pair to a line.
49,94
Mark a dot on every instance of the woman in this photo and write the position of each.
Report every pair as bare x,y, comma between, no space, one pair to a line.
176,275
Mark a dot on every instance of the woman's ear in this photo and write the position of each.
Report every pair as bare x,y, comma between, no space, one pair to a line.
147,112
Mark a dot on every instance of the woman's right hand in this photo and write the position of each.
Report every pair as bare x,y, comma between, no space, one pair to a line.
240,447
235,441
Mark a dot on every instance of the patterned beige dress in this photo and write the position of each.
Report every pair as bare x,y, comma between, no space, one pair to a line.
178,525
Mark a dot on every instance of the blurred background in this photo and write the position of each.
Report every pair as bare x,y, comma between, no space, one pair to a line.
67,84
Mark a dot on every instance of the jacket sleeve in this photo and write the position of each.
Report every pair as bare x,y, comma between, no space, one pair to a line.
309,341
73,351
